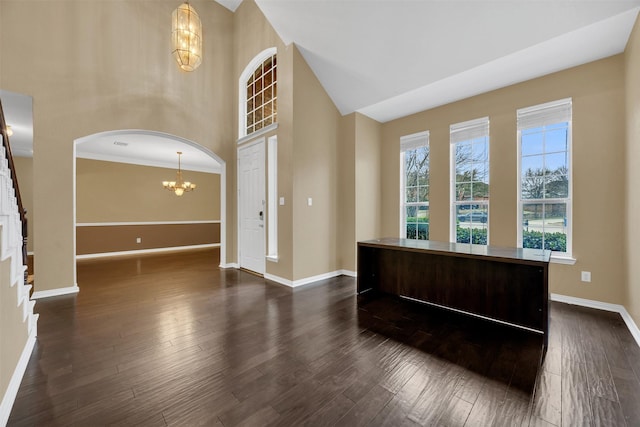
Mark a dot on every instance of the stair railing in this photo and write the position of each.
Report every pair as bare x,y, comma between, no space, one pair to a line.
14,178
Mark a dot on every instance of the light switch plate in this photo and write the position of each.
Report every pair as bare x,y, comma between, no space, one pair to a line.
309,201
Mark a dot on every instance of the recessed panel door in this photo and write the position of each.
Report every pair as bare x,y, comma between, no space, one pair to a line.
251,204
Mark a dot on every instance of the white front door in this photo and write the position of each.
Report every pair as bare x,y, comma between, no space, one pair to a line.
251,207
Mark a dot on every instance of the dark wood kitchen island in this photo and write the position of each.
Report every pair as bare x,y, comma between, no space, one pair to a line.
508,285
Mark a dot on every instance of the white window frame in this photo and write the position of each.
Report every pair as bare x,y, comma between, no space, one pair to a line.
407,143
462,132
242,90
539,115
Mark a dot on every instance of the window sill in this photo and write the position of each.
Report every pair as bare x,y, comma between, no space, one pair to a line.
272,258
555,259
272,126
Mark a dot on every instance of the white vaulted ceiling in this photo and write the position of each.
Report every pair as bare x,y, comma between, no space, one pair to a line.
390,58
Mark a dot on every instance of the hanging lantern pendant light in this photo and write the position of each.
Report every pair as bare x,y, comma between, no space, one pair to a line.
179,186
186,37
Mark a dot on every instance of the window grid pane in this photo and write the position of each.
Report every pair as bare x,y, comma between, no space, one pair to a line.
417,221
544,225
471,223
261,96
415,195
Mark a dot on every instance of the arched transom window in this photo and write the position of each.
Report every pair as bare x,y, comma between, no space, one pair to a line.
260,95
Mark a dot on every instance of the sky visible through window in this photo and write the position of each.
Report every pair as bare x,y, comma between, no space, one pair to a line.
545,162
545,186
545,146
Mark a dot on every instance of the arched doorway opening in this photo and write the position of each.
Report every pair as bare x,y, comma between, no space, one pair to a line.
153,150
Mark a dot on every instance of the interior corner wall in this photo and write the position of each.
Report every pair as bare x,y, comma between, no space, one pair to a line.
24,171
632,178
315,171
346,226
368,167
252,34
359,177
104,65
599,232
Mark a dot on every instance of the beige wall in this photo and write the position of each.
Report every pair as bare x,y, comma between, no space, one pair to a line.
359,180
315,170
368,166
346,226
598,91
24,170
105,65
120,192
632,237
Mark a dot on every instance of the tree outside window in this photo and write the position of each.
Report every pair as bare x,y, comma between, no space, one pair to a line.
544,186
470,181
415,183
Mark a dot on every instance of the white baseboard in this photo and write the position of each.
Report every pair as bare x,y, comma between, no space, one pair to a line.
616,308
14,384
278,279
349,273
56,292
308,280
147,251
230,265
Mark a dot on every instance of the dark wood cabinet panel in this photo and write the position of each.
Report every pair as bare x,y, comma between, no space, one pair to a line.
509,285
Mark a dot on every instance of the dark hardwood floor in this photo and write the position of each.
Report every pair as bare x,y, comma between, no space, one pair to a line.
172,340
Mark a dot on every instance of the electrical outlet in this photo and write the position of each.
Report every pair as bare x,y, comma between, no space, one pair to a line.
309,201
585,276
138,239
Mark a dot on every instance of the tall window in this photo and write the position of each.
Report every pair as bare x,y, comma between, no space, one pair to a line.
544,190
414,158
258,93
470,181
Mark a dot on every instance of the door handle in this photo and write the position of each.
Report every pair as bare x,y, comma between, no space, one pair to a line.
261,215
